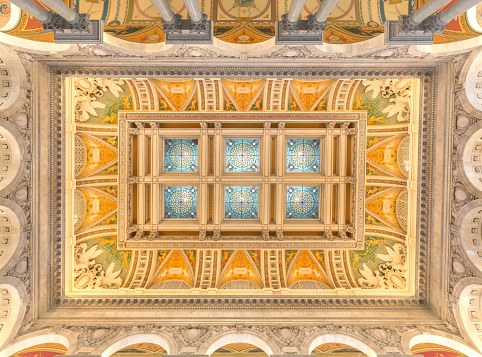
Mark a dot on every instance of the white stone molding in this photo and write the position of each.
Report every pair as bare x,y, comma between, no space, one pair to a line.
63,337
13,79
311,342
12,235
125,340
12,307
253,338
469,152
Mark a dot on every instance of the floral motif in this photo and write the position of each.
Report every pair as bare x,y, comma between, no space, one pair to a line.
89,274
87,93
397,91
389,275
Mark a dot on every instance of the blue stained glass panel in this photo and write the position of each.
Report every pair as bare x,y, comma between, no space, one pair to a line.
180,202
181,155
242,155
241,202
303,155
302,202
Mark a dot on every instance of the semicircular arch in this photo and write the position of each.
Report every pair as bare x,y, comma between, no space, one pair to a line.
12,235
444,341
63,337
128,340
12,82
234,337
469,223
12,162
353,341
469,153
12,307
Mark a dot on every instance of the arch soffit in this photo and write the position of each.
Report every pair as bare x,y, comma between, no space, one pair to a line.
258,340
14,251
472,83
63,337
126,340
17,308
414,337
319,338
461,293
466,139
17,78
466,210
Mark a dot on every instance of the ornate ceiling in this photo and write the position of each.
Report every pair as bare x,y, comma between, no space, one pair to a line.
382,261
241,22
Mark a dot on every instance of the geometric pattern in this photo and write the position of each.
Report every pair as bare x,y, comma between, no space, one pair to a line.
241,202
181,155
180,202
303,155
302,202
242,155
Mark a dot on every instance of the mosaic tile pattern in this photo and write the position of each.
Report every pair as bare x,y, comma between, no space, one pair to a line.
180,202
181,155
242,155
303,155
241,202
302,202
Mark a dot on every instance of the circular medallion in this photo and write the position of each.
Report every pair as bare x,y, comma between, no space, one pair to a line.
242,155
181,155
302,202
181,202
242,202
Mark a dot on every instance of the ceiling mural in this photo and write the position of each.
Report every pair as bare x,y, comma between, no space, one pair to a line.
101,265
241,22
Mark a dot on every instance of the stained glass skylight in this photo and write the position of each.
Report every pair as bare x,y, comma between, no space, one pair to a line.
181,155
303,155
241,202
242,155
180,202
302,202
